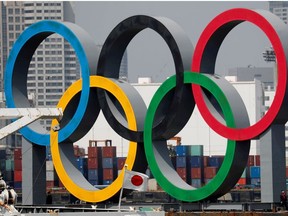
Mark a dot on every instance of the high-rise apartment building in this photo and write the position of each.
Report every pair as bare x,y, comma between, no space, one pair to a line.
54,64
279,8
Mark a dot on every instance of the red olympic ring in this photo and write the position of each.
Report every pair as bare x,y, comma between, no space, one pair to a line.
211,35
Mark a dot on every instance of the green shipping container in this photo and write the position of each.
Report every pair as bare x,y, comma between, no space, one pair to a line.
196,150
9,165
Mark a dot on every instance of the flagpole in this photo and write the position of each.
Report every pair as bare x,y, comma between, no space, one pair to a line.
121,191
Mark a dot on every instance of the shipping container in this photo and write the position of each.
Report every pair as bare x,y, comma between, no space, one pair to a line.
82,162
197,183
50,175
109,174
17,175
251,160
121,162
205,161
195,161
109,151
182,150
9,165
206,181
93,174
255,172
257,160
210,172
49,166
94,152
8,175
182,172
93,163
18,153
2,164
181,161
17,184
215,161
108,163
50,184
196,150
196,173
17,165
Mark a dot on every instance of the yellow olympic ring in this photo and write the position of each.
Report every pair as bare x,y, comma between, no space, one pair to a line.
94,195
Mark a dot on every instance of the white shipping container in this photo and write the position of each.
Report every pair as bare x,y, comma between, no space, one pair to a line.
49,175
49,166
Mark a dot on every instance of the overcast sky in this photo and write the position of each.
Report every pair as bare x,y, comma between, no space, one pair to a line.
149,56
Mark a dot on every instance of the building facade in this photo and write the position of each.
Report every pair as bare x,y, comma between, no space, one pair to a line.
280,8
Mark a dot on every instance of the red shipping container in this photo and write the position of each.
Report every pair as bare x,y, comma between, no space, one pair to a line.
251,160
17,176
18,165
18,153
109,151
93,163
210,172
257,160
94,152
49,184
242,181
182,172
196,173
108,174
121,163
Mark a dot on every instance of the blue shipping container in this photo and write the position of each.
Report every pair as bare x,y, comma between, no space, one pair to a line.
182,150
181,162
196,161
82,162
93,174
17,185
196,183
215,161
255,172
108,163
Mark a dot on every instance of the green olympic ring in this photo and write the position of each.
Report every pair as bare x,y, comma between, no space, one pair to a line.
159,161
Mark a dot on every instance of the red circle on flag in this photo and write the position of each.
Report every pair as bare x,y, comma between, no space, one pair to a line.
136,180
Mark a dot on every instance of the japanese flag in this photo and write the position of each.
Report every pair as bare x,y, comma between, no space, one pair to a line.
135,181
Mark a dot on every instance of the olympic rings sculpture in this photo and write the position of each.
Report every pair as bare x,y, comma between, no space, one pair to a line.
148,129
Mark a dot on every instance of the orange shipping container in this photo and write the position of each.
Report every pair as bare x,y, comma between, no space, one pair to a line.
210,172
109,174
196,173
93,163
94,152
109,151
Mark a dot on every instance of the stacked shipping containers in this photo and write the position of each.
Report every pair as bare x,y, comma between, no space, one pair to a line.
94,163
17,168
109,163
197,165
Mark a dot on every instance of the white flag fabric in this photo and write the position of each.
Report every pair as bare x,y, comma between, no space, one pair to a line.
135,181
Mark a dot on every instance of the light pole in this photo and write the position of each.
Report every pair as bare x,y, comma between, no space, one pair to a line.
269,56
